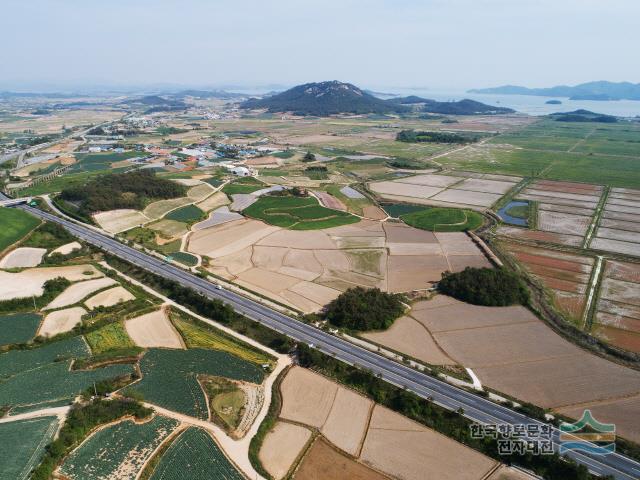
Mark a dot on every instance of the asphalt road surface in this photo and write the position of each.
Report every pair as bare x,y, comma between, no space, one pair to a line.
476,408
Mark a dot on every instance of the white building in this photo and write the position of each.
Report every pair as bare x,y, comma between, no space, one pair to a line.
241,171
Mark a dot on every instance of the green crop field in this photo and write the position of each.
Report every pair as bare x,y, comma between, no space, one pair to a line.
395,210
110,337
169,377
91,162
187,214
16,361
443,219
58,184
22,444
297,213
14,225
44,375
600,153
201,337
243,185
117,451
184,258
194,451
18,327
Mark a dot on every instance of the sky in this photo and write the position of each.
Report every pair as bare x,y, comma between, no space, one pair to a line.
439,44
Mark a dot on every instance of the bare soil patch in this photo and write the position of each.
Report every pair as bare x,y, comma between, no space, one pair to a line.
330,201
23,257
78,291
116,221
61,321
412,452
550,237
282,446
30,282
466,197
307,397
430,180
347,422
486,186
324,462
67,248
153,330
617,246
108,298
408,336
214,201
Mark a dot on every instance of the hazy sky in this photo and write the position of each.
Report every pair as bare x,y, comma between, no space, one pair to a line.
440,44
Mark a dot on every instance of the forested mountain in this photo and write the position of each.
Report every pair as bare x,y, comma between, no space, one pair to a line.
461,107
601,90
324,98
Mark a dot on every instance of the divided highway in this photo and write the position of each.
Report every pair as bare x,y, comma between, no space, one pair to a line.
476,408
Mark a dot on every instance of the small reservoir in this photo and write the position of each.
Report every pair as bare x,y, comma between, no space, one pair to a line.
516,212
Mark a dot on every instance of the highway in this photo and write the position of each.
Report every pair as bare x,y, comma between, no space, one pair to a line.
476,408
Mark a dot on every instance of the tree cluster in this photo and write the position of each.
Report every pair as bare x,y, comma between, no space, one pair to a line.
485,286
364,309
414,136
121,190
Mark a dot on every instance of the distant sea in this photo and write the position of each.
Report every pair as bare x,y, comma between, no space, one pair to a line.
530,104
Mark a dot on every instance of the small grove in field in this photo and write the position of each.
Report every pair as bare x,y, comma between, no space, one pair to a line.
438,219
364,309
297,213
485,286
14,225
113,191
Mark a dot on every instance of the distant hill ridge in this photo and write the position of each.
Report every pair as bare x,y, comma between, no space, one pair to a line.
460,107
600,90
324,98
334,97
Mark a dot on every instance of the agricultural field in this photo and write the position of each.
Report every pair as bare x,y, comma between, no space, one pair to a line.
324,461
438,219
109,298
14,225
61,321
117,451
243,185
22,445
532,363
599,153
92,162
566,275
44,374
617,317
194,451
110,337
188,214
201,336
282,446
308,269
565,210
620,223
153,330
169,377
297,213
79,291
23,257
18,327
364,434
458,189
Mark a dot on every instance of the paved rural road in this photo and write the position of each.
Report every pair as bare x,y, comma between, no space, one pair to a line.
476,408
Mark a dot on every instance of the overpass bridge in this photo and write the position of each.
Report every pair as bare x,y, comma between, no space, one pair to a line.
11,202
